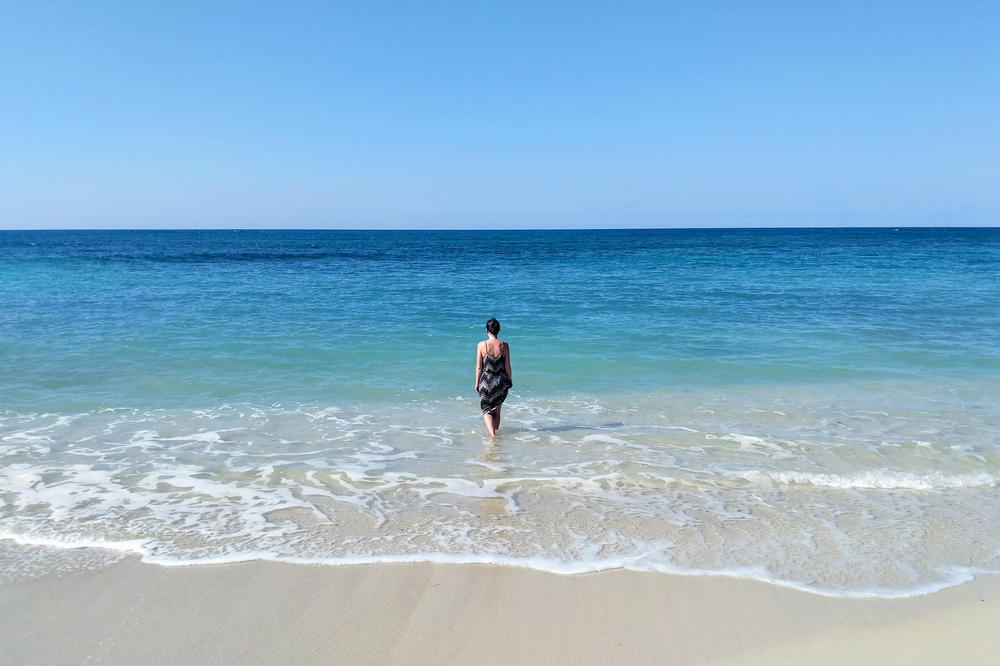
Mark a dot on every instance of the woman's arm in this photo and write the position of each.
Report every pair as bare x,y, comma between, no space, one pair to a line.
479,366
507,362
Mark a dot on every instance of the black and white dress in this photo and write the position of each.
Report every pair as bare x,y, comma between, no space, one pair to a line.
493,382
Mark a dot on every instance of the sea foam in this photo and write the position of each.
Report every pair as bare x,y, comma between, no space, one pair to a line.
624,486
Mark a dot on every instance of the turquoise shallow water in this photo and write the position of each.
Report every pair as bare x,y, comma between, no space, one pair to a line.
191,318
816,407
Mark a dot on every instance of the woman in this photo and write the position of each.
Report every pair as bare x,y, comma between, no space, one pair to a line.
492,375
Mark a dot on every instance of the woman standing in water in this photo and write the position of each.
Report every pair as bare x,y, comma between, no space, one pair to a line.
492,375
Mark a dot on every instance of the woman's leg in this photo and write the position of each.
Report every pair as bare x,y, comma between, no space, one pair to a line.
496,418
490,428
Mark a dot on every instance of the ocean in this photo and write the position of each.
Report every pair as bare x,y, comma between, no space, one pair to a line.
818,408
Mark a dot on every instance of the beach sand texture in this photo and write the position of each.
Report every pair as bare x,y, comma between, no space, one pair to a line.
272,613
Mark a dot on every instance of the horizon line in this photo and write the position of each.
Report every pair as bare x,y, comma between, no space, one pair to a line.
481,229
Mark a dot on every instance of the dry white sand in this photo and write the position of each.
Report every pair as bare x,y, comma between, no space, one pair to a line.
268,613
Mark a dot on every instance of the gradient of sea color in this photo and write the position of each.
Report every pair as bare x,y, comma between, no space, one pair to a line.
819,408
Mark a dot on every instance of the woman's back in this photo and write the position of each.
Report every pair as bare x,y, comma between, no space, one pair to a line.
497,348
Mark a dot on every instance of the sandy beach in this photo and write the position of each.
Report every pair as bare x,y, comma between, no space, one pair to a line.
262,612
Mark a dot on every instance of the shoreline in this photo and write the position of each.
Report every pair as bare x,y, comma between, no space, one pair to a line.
423,613
132,550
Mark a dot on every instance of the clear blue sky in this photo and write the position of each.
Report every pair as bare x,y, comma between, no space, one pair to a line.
441,115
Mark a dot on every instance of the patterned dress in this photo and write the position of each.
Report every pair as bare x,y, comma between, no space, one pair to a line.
493,382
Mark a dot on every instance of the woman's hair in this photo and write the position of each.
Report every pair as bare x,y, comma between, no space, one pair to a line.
492,326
